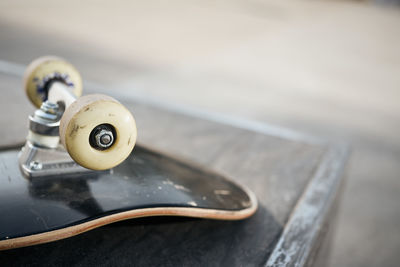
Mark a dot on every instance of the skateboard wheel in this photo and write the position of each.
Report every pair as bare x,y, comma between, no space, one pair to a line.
98,132
45,69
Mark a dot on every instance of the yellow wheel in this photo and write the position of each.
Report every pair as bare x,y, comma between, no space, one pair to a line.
42,71
98,132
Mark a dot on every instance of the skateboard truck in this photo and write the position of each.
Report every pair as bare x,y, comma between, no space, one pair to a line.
69,134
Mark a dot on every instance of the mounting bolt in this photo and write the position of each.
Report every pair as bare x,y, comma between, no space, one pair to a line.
34,165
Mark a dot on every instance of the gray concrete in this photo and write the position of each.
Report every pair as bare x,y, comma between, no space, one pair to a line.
328,68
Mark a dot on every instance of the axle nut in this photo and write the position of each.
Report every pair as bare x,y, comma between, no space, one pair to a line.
104,138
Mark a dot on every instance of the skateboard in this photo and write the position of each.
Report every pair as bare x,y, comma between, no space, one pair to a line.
80,168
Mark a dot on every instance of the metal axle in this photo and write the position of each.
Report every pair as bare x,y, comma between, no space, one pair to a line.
44,124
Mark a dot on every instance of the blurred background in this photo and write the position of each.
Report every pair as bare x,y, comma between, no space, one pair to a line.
328,68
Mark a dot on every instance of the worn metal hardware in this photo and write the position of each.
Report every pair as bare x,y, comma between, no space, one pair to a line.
36,161
43,155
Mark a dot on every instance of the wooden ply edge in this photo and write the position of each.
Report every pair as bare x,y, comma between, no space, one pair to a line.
70,231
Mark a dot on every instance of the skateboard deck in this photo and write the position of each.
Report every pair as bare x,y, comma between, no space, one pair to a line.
147,183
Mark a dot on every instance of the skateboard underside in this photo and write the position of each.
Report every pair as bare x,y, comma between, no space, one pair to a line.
148,183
